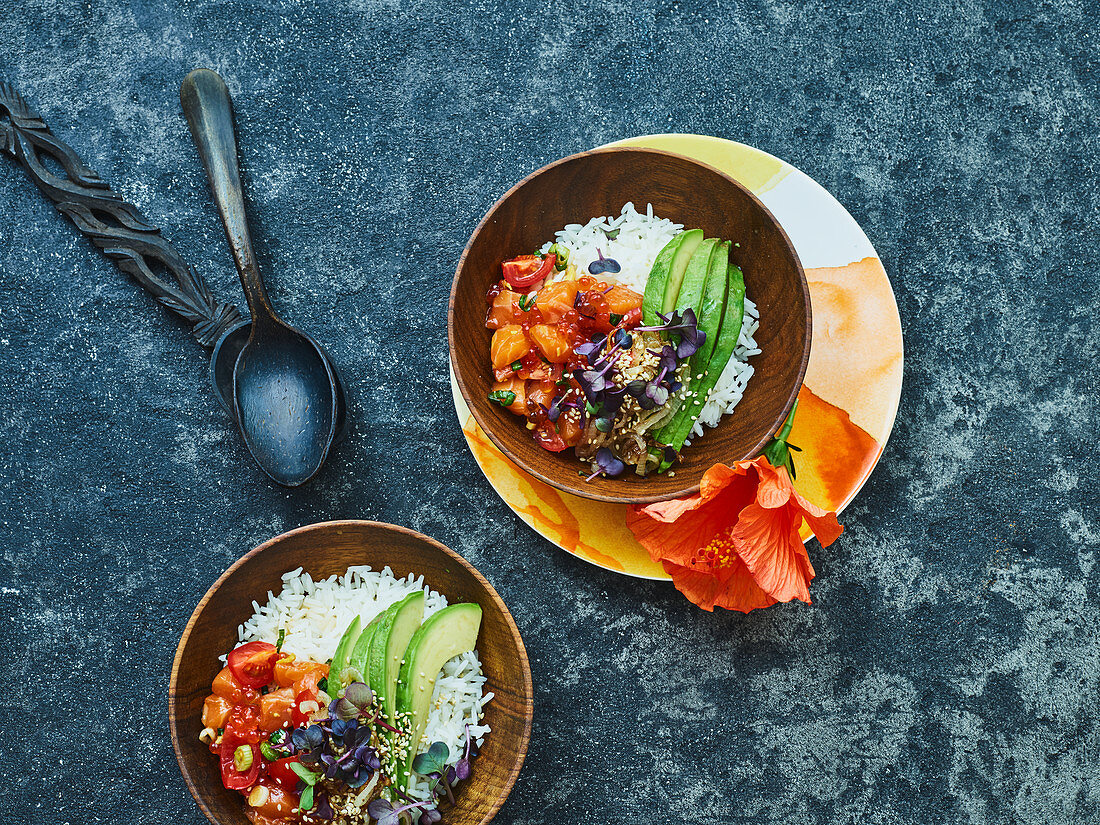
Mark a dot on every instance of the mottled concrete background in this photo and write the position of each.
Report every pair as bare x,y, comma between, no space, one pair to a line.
948,671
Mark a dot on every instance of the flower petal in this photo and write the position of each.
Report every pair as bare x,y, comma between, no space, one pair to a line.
676,530
704,589
769,544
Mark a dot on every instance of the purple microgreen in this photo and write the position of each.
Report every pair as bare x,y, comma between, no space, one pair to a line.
344,708
602,265
603,425
554,412
356,777
607,464
656,394
636,387
385,814
668,361
622,338
462,769
691,339
590,351
323,809
685,326
432,760
612,402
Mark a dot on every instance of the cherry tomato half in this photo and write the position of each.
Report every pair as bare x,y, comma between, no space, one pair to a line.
253,663
305,705
281,774
547,438
232,778
527,270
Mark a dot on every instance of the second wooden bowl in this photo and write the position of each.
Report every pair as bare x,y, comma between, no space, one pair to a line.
581,187
327,549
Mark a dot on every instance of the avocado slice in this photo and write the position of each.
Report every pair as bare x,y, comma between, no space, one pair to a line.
444,635
397,627
359,658
676,431
340,656
712,306
375,673
654,298
672,279
690,295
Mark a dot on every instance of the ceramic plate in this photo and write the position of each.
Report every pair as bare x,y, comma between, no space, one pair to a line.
848,400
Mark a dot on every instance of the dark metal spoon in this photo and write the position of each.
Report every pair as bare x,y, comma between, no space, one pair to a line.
285,392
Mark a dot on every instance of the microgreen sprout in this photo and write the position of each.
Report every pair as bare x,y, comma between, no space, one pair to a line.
337,748
385,813
432,764
602,265
686,328
433,760
607,464
554,412
517,366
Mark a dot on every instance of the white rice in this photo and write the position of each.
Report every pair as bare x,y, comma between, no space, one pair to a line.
641,238
315,614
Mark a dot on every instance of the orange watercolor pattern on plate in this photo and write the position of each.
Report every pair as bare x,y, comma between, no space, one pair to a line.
846,410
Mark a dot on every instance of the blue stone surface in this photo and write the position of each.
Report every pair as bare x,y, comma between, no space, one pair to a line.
948,669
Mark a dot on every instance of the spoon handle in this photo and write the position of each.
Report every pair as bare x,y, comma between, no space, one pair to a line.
209,113
112,224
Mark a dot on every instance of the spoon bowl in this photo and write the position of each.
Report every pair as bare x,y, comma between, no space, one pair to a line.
284,397
224,358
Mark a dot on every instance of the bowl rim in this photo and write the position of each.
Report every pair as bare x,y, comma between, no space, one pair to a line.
596,495
521,745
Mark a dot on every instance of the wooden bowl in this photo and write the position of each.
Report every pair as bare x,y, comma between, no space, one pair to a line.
580,187
322,550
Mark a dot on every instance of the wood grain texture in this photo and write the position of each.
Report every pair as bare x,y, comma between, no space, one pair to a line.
599,182
325,549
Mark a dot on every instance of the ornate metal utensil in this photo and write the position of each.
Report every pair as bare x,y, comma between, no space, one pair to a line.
285,393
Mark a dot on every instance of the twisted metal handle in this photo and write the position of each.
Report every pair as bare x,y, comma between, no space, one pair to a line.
112,224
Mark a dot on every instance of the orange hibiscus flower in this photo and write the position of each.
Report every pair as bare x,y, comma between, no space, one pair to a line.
736,544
